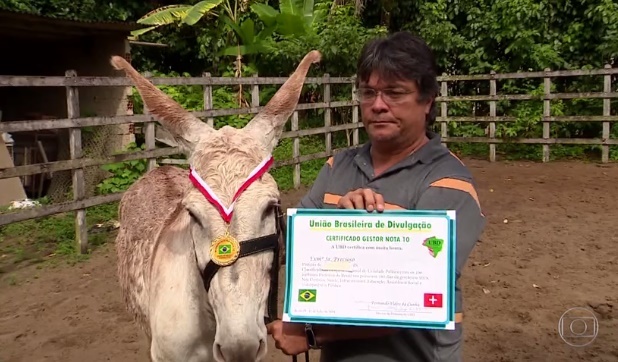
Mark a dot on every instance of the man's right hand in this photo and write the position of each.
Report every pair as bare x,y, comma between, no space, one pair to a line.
362,199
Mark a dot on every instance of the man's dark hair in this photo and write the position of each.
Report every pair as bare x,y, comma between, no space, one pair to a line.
402,56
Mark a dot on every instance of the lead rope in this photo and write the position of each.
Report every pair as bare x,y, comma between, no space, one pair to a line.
295,357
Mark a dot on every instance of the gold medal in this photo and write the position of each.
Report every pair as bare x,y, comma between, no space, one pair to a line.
224,250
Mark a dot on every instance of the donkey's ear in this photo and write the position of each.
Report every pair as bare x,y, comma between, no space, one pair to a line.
267,125
185,128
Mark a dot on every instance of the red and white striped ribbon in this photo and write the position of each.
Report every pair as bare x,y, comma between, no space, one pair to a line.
226,212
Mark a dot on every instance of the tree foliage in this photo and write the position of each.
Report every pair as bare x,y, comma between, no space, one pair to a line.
119,10
477,36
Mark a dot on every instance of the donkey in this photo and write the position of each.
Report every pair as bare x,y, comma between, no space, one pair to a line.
198,250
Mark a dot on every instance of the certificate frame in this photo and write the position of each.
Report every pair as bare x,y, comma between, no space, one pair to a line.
448,301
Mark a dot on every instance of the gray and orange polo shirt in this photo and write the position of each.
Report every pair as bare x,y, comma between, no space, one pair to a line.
430,178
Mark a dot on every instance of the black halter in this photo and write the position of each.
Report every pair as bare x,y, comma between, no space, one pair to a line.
257,245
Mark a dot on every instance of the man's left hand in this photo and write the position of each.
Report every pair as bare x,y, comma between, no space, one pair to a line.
290,338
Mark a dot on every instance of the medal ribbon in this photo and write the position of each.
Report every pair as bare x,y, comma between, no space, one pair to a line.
226,212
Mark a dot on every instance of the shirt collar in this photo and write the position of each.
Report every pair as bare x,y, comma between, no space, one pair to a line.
426,154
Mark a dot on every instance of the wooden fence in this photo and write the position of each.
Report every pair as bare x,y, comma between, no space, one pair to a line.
74,123
546,119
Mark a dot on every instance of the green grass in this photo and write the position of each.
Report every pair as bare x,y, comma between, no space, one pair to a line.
51,239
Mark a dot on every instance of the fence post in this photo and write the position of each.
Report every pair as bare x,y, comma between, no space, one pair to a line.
208,97
546,114
255,92
296,152
75,146
327,113
149,138
355,115
149,132
492,114
607,88
443,111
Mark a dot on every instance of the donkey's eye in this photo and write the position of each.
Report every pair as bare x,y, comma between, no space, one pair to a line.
269,209
194,216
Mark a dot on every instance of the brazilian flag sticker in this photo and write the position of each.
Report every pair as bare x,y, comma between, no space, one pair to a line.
307,295
224,249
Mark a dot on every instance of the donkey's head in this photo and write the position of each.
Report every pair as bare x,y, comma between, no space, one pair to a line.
222,161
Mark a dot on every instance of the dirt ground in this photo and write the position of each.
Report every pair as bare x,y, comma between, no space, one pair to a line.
558,250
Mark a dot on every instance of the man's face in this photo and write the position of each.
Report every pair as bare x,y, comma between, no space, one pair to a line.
391,111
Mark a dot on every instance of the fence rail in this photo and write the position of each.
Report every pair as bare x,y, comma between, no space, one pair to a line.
74,123
51,81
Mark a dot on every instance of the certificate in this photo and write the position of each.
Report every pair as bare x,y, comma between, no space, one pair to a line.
389,269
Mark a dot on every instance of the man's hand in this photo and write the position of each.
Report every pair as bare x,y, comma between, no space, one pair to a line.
290,338
362,199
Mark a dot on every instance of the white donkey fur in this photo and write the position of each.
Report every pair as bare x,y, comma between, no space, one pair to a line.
167,225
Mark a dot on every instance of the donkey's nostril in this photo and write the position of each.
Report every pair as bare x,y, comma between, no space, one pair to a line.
238,350
261,349
219,353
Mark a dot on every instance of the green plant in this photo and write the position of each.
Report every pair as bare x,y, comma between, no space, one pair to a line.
123,173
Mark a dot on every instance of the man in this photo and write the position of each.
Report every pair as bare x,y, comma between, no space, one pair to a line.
402,166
